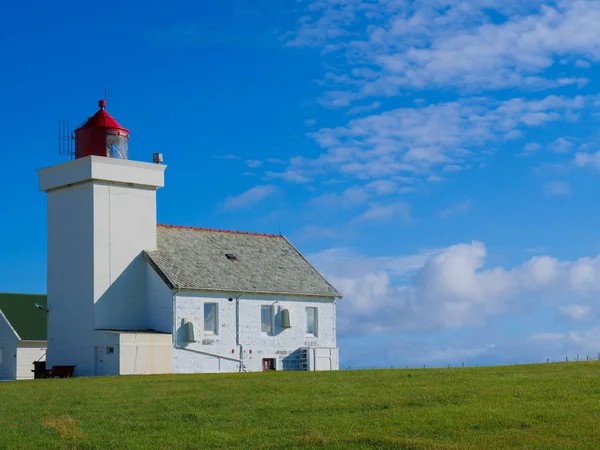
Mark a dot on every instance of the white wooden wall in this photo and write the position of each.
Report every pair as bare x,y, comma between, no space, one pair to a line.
26,354
8,344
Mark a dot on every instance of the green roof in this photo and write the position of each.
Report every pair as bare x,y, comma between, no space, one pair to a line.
29,322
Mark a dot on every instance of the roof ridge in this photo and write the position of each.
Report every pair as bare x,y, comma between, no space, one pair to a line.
219,231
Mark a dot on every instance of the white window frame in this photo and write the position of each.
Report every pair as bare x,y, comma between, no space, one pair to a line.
271,322
216,321
316,315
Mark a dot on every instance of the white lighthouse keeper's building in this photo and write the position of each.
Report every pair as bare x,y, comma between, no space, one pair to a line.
126,296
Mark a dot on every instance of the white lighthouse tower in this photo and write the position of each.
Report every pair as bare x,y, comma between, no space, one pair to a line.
101,217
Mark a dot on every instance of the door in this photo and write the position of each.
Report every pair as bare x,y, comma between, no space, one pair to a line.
100,360
323,359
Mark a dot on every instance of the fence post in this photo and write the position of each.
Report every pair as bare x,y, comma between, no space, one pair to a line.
577,356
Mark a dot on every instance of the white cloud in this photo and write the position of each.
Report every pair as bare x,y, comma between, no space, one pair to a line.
253,163
229,157
291,176
414,141
450,354
582,64
587,159
560,145
394,45
382,187
557,188
458,208
249,198
350,197
451,288
530,148
434,179
386,213
364,109
575,312
572,343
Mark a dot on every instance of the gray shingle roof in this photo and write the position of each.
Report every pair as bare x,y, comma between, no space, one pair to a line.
194,258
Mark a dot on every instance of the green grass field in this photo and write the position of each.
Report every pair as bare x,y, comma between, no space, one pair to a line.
541,406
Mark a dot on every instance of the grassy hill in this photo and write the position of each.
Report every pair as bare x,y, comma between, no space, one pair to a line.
536,406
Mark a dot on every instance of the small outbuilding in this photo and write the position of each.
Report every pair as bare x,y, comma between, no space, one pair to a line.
23,331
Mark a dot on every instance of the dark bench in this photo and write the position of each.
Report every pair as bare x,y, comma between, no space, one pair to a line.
40,371
61,371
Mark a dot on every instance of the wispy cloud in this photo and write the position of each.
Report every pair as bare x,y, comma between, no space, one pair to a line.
350,197
575,312
364,109
249,198
557,188
393,45
386,212
253,163
587,160
229,157
560,145
456,209
531,148
290,175
416,141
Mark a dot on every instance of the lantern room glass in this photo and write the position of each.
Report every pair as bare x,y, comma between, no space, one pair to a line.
117,145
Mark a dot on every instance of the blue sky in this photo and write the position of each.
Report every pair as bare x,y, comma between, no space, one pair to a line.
436,159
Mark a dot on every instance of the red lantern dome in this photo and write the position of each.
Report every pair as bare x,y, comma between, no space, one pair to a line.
102,135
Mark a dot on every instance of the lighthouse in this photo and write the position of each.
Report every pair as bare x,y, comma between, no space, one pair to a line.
101,135
101,218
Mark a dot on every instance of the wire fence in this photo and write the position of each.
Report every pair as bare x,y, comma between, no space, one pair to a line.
578,358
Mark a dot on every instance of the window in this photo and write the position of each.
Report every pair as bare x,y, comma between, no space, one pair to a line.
311,321
210,318
266,319
110,350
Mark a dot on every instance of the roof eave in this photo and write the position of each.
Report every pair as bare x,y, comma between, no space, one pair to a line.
339,294
293,294
10,325
161,273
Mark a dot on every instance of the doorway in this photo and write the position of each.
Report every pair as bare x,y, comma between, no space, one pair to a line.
268,364
99,360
